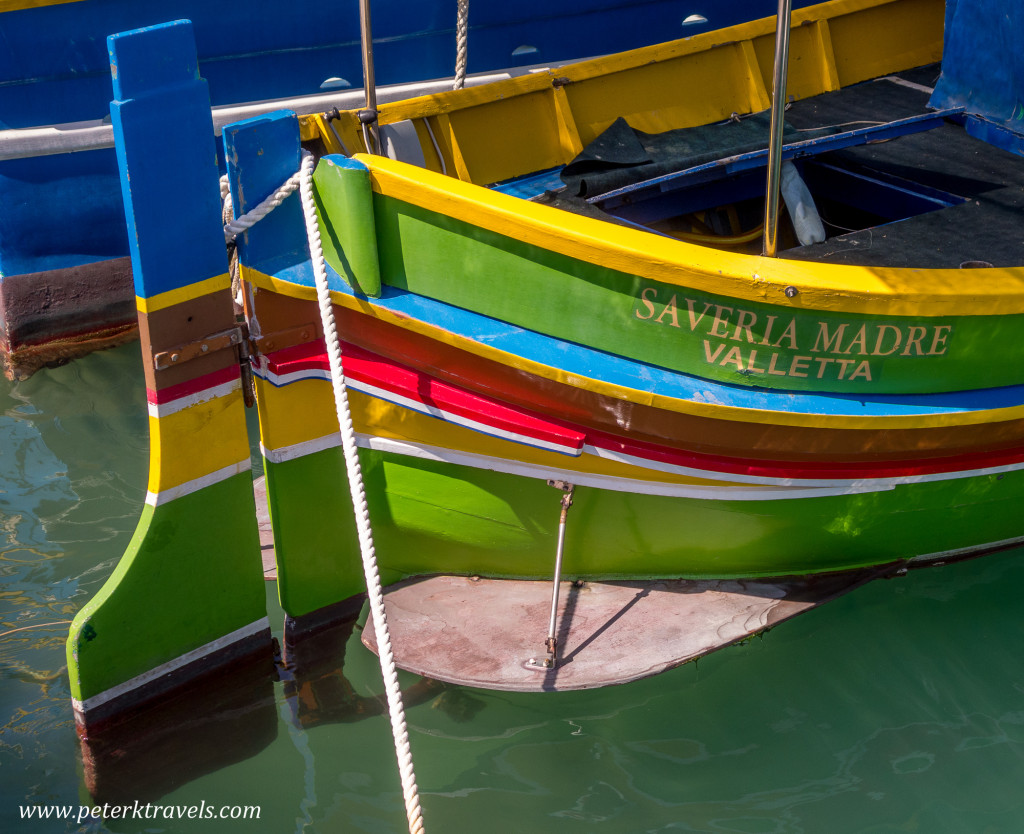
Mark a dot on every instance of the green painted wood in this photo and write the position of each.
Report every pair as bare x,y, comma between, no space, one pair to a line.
343,193
318,562
711,336
191,574
437,517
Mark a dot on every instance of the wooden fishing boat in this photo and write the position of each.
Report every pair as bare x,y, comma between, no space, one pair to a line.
65,279
568,360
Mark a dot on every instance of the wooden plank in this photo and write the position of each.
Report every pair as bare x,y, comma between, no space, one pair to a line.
484,632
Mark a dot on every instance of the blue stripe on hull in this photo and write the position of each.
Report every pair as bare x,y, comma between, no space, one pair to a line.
594,364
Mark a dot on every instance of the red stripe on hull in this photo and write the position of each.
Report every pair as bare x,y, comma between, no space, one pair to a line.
192,386
404,381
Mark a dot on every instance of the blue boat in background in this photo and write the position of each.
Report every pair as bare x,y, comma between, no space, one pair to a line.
65,275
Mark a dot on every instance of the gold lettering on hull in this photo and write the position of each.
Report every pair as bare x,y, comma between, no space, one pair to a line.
795,347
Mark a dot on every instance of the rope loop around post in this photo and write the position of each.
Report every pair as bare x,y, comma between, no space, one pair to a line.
235,227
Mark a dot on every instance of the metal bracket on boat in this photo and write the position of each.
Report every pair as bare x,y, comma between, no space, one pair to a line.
245,367
368,120
551,643
201,347
281,339
329,118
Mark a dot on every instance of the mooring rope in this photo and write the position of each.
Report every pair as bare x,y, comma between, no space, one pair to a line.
359,503
462,44
303,180
234,228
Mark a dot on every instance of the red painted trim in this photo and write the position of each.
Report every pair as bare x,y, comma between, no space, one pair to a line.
402,380
804,470
192,386
362,366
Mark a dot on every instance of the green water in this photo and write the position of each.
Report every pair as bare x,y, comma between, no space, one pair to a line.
899,708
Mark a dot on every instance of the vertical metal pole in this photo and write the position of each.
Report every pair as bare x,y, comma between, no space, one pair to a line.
368,115
552,641
771,209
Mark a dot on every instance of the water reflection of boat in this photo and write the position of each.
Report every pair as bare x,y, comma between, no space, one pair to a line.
571,386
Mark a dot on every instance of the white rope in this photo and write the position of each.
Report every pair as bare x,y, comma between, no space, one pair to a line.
462,45
235,227
362,512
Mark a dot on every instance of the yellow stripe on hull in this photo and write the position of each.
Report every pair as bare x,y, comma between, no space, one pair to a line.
303,412
167,299
295,413
383,419
216,427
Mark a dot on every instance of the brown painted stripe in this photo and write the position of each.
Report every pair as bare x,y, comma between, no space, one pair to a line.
183,324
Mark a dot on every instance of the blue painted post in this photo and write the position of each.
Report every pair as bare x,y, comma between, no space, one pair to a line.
318,566
262,153
188,596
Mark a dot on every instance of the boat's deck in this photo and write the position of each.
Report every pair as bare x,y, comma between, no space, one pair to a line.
987,226
935,198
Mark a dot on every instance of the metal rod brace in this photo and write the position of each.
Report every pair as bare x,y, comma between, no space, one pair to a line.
551,644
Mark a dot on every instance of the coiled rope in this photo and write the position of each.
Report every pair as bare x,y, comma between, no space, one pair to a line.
359,504
461,44
303,180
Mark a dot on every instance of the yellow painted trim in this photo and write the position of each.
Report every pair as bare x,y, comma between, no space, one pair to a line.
759,94
217,426
163,300
444,123
707,410
821,287
828,57
295,413
761,31
18,5
385,419
568,134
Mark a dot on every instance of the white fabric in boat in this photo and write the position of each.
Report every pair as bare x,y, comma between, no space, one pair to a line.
399,141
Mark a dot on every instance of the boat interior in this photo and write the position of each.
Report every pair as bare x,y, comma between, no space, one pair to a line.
893,182
882,170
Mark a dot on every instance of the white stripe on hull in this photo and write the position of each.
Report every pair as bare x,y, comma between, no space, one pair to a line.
155,499
172,665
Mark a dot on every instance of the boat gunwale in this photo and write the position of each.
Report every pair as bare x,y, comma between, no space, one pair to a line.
835,288
450,101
